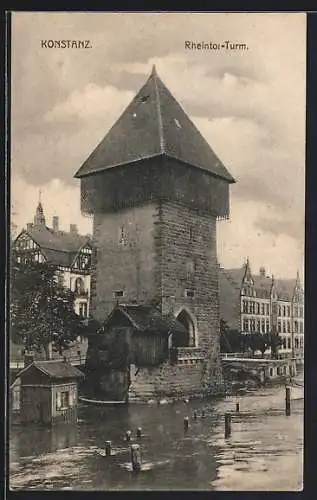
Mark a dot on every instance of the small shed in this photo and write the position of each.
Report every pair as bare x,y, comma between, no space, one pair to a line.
146,330
49,392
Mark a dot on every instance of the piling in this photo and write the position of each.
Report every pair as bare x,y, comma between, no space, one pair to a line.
128,435
227,425
108,448
237,406
136,457
287,401
139,432
195,415
203,414
186,423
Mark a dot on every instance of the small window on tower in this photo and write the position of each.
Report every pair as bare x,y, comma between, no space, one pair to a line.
118,293
189,293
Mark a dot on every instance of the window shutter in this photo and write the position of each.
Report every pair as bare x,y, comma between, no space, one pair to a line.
70,398
58,400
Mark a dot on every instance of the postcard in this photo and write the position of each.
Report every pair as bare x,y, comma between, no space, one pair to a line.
156,330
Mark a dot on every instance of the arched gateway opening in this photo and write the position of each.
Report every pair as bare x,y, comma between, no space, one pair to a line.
186,338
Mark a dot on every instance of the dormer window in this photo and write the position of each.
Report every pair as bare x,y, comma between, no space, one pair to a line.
118,294
144,98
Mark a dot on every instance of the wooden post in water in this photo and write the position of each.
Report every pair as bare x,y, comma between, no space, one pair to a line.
186,423
195,414
203,414
128,435
287,400
237,406
139,432
108,448
227,425
135,457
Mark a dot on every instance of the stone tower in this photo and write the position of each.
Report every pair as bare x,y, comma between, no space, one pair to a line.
156,189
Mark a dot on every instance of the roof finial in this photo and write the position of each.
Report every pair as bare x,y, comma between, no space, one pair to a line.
40,195
154,73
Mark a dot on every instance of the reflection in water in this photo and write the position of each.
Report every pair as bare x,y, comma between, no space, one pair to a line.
264,451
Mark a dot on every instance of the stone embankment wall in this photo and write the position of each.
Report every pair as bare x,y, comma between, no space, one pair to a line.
171,381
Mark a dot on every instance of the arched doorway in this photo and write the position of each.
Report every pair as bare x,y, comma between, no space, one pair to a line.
184,339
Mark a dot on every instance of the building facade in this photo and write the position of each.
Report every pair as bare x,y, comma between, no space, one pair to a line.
156,189
71,253
258,303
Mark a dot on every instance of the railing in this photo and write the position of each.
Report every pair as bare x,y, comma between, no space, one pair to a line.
73,360
225,355
186,355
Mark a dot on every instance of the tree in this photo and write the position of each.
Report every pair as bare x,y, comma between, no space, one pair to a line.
41,310
230,339
275,343
257,341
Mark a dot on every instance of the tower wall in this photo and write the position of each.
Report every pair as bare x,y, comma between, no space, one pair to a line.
123,265
170,249
188,263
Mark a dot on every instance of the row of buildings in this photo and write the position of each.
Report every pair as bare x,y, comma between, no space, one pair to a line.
260,303
249,302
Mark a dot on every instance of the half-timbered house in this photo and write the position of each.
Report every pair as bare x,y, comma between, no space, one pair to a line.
71,253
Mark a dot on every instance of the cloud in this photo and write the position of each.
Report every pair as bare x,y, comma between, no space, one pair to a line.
92,103
57,197
280,253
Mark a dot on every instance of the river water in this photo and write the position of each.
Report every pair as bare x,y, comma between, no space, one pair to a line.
264,451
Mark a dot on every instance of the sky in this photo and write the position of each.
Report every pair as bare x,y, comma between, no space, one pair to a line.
248,104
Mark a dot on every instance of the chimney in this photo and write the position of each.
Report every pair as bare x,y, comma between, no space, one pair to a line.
262,271
28,359
73,228
55,223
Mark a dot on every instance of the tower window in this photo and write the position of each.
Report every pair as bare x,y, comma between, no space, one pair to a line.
189,293
190,268
118,293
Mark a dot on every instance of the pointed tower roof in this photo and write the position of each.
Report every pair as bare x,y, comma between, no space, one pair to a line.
247,278
39,218
153,124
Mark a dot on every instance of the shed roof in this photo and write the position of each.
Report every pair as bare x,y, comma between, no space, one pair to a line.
55,369
149,319
153,124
